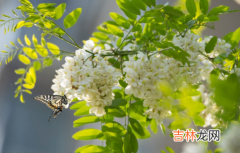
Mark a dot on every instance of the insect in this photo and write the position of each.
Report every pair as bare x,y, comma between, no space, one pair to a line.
55,102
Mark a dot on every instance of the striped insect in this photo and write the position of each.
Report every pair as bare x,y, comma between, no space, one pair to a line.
55,102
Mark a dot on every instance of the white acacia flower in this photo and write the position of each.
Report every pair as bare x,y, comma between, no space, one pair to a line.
107,47
190,43
88,78
209,113
89,45
97,50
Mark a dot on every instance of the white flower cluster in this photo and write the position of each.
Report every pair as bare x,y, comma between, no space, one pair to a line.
230,140
145,74
142,76
89,78
209,114
152,78
200,67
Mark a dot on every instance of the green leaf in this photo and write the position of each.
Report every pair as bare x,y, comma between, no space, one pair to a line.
27,41
110,134
169,149
180,124
46,8
37,65
118,102
14,13
117,112
100,35
140,4
123,83
115,30
95,149
198,120
20,42
134,142
59,31
33,18
4,51
110,22
85,120
88,134
149,3
27,91
211,18
120,20
130,6
137,127
32,74
191,7
163,129
29,80
148,30
82,148
43,42
78,105
13,44
125,10
48,24
130,143
53,48
173,12
116,147
59,10
136,111
28,86
127,143
20,71
28,24
137,27
103,29
146,134
211,45
20,24
24,59
107,118
26,2
114,127
218,10
30,52
21,98
18,81
84,110
235,37
6,16
114,63
34,39
204,6
72,18
26,9
41,50
47,62
154,126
